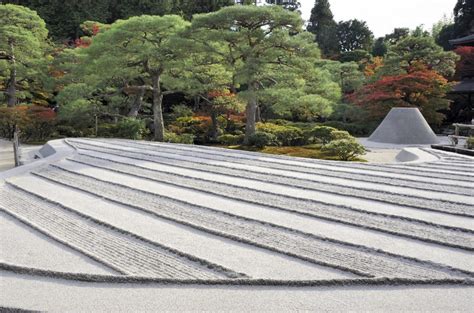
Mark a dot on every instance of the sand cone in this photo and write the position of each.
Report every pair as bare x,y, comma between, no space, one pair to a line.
404,126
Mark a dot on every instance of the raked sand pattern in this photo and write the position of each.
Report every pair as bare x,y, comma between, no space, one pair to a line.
140,212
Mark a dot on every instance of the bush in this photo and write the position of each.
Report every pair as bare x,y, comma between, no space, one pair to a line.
181,110
340,134
355,129
36,123
175,138
286,135
470,143
130,128
231,140
68,131
127,128
323,133
344,149
261,139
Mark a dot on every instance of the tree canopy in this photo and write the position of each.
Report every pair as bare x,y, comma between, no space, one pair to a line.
464,17
415,49
256,45
323,26
354,35
64,17
23,50
138,54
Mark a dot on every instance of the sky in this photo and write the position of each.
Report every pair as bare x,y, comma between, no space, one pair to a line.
383,16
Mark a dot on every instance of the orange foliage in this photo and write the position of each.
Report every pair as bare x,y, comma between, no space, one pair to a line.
372,66
421,87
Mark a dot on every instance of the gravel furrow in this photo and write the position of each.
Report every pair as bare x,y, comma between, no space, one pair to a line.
282,163
324,251
458,238
448,207
229,169
122,252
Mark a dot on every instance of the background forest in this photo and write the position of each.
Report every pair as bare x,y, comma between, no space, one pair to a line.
211,72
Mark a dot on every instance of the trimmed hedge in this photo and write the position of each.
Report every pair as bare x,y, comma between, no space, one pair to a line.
286,135
262,139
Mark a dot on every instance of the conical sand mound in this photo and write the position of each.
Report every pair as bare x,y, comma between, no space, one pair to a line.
404,126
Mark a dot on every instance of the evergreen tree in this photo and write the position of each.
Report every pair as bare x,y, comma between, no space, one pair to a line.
266,61
380,47
464,17
23,50
354,35
143,53
63,18
322,24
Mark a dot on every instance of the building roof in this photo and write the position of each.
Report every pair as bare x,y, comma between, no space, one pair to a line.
464,87
463,41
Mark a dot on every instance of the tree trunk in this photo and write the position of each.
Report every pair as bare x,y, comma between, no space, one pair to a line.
137,103
258,116
250,112
214,128
11,89
159,126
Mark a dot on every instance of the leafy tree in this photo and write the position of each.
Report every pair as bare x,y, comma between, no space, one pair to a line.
415,49
379,48
23,50
188,8
323,26
347,75
358,56
447,33
305,94
397,35
420,87
438,26
64,17
465,65
354,35
255,44
141,54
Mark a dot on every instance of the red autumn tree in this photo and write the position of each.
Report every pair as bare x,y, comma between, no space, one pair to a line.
465,66
420,87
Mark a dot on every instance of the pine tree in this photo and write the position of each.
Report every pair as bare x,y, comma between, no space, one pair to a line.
464,17
322,24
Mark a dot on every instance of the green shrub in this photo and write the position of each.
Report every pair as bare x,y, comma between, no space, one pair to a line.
470,143
231,140
286,135
261,139
68,131
130,128
175,138
181,110
279,122
355,129
344,149
323,133
340,134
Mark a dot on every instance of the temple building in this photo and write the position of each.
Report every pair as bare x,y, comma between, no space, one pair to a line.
465,88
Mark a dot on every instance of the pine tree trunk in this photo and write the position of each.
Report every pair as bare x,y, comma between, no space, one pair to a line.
137,103
214,129
159,126
11,89
250,112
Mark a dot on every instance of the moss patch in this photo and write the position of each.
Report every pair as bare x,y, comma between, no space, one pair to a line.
309,151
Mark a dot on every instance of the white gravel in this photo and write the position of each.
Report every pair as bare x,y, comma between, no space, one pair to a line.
164,211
